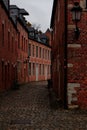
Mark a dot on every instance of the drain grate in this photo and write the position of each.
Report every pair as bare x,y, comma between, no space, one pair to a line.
13,122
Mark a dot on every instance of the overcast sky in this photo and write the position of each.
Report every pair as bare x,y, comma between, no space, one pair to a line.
39,11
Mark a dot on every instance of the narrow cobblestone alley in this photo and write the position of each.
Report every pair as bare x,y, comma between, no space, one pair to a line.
29,108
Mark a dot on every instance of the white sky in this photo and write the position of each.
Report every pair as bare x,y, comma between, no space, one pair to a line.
39,11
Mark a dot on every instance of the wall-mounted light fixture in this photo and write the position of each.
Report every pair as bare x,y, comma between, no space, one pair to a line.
26,60
76,17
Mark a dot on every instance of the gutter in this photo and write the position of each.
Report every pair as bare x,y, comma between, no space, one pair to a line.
65,59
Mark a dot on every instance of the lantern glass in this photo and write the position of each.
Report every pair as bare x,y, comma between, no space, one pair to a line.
76,12
73,16
76,15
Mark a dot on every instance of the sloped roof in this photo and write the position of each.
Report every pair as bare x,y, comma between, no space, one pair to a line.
23,12
13,7
31,29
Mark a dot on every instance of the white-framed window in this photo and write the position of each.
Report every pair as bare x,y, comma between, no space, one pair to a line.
40,52
83,4
29,50
36,51
33,50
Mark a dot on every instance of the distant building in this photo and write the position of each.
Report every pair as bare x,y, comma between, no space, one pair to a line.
40,56
48,34
69,67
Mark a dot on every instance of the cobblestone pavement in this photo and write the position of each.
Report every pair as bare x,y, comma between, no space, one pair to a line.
29,108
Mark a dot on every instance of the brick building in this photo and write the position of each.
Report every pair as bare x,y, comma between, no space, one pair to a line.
40,56
8,47
69,54
58,26
15,50
17,15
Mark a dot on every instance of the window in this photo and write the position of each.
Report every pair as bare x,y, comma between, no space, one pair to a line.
29,70
8,40
12,43
8,71
40,52
29,50
40,69
26,46
22,43
3,32
33,69
31,34
33,50
43,52
50,55
2,71
36,51
43,69
19,40
15,45
48,69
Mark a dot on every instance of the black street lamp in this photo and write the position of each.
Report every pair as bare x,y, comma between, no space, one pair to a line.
76,17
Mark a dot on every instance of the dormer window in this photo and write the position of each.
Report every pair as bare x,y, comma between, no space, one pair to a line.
31,34
44,40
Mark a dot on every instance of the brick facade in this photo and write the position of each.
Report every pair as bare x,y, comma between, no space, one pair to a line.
57,24
22,54
8,49
75,54
16,65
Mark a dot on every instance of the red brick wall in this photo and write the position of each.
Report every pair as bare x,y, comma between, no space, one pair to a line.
58,50
8,54
22,53
76,56
77,64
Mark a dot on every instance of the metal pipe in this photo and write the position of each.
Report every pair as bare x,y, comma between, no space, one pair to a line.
65,59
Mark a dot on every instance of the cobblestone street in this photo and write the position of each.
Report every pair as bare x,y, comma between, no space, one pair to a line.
29,108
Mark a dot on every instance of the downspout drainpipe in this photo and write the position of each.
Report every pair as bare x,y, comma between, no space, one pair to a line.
65,59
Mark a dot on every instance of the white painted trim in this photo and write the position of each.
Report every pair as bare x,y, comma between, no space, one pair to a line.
69,65
74,45
72,106
73,85
70,27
